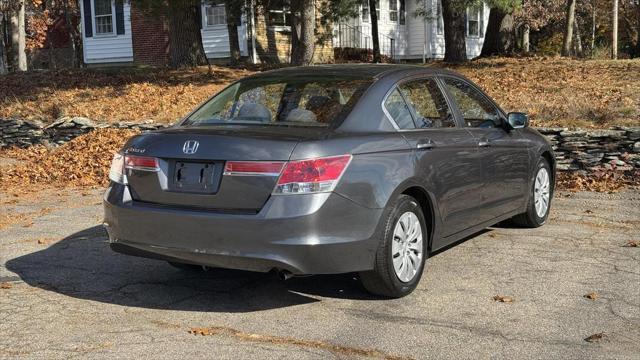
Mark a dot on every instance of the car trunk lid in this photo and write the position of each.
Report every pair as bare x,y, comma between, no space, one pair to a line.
191,164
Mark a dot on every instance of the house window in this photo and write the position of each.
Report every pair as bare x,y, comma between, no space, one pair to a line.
440,25
475,15
279,13
215,14
402,12
366,16
103,15
393,11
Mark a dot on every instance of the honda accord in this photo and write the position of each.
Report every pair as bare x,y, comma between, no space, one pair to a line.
329,169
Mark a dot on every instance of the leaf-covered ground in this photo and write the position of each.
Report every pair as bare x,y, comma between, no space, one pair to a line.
84,161
554,91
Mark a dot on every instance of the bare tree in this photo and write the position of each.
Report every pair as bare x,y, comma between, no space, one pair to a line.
568,27
302,31
233,9
4,68
614,31
18,37
375,40
453,14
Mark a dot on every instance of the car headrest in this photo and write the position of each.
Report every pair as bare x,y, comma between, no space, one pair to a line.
301,115
254,111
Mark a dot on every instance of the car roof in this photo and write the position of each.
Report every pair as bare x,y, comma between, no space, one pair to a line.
364,71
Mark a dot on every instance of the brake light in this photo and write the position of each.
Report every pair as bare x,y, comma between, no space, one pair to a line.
248,168
312,175
144,163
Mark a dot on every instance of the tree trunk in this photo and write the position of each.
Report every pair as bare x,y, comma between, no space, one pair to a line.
18,38
4,68
499,37
375,40
455,46
638,40
526,45
234,19
73,36
302,31
593,26
614,32
578,37
185,40
568,27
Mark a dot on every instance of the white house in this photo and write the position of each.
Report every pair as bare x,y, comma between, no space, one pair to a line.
404,35
115,31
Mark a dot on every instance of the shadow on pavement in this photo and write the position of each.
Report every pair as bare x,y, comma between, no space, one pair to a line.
83,266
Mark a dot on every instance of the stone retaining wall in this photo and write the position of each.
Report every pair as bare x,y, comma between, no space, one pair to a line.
615,149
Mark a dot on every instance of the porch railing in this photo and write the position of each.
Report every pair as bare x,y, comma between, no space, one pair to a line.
353,37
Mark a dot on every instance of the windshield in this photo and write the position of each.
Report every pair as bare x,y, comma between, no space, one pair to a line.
280,101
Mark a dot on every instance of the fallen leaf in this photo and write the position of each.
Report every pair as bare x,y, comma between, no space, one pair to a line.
631,243
591,296
504,299
5,285
595,337
588,211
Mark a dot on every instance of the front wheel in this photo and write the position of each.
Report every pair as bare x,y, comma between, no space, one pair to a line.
402,251
539,198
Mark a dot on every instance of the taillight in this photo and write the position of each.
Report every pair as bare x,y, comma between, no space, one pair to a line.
312,175
116,172
248,168
144,163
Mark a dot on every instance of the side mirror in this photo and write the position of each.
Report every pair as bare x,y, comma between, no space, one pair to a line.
518,120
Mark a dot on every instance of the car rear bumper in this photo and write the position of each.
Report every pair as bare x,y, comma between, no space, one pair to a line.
304,234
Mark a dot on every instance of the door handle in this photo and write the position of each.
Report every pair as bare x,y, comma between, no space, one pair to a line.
484,143
426,144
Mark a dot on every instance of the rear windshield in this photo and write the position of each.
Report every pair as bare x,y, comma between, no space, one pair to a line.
291,101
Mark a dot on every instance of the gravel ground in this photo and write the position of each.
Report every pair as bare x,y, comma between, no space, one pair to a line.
64,294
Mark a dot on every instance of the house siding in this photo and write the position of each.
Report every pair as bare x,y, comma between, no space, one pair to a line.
112,48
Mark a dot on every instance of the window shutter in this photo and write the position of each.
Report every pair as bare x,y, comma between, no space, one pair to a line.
120,17
88,26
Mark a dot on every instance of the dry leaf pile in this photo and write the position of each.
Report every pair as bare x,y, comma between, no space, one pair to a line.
605,181
84,161
562,92
554,91
127,94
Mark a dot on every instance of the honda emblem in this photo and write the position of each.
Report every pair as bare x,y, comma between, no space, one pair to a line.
190,147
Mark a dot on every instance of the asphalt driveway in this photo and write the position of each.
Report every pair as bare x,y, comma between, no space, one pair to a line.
64,294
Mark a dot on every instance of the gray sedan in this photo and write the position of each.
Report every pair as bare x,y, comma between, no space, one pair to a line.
329,169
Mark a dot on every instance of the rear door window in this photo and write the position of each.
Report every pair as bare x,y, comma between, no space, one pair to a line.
429,104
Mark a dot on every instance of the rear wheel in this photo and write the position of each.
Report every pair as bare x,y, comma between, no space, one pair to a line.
402,251
540,196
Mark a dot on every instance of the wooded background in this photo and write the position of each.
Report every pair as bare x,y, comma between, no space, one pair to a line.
577,28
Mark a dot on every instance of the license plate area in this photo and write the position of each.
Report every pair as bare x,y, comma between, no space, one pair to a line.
195,177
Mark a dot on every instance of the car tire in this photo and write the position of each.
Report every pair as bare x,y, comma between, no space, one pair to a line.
189,267
384,279
533,217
